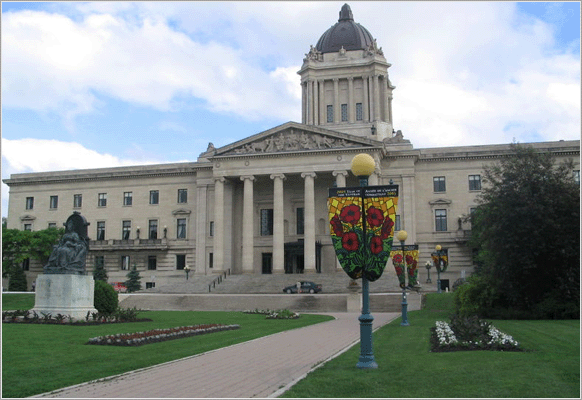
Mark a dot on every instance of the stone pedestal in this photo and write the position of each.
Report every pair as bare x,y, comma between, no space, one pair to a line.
70,295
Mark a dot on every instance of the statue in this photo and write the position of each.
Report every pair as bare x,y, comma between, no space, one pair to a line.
68,257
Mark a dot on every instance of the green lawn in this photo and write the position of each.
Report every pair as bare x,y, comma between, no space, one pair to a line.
40,358
17,301
550,366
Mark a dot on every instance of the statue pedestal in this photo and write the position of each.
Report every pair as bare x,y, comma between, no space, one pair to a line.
70,295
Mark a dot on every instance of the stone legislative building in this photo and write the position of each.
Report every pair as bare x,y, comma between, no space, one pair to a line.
258,206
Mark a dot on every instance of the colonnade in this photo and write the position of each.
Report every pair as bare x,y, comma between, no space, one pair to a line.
375,89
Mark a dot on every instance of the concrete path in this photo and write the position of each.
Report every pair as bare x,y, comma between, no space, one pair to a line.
263,367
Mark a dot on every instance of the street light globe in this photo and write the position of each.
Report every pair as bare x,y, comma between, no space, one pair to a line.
438,247
363,165
402,235
187,268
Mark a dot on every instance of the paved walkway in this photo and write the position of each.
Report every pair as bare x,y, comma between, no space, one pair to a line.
263,367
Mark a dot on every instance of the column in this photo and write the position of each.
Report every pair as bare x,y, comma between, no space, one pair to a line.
322,108
340,181
303,103
351,105
219,224
201,228
315,104
408,213
309,103
366,104
309,242
376,99
278,224
336,103
387,98
371,97
248,225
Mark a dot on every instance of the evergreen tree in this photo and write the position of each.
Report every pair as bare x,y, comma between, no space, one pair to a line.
17,282
133,283
100,273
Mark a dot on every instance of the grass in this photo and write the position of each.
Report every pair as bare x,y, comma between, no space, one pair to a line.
40,358
550,366
17,301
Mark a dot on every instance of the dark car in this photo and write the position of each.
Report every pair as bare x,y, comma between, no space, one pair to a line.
306,287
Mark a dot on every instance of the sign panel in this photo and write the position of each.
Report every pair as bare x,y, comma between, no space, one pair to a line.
361,227
406,259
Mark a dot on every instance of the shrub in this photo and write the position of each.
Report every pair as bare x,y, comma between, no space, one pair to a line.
473,297
17,282
106,299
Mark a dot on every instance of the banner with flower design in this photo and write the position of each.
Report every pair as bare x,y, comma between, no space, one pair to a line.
406,259
361,227
444,260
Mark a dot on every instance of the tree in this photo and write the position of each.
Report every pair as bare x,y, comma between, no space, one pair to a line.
526,231
17,282
100,273
133,283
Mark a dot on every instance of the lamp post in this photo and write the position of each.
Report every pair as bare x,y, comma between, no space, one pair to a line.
402,236
438,248
428,266
363,166
187,269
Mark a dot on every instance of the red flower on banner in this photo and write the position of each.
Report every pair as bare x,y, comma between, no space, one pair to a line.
398,270
409,259
350,214
386,228
397,258
374,217
336,224
376,245
350,241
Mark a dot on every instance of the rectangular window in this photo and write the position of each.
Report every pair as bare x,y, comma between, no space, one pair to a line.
359,112
26,264
29,203
27,227
211,229
100,230
210,260
153,229
102,200
99,262
54,202
474,182
127,198
180,261
182,195
300,213
152,263
577,176
125,263
181,232
266,222
52,225
77,200
440,220
154,196
126,230
330,113
397,225
439,184
344,109
150,285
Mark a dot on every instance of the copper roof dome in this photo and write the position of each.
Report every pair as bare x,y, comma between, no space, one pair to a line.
345,33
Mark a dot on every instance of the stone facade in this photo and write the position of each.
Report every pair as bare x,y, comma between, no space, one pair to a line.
259,205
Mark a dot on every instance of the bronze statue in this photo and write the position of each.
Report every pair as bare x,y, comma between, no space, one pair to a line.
68,257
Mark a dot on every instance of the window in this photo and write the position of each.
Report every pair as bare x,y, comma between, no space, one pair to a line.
127,198
27,227
266,222
125,263
440,220
150,285
210,260
26,264
152,263
100,230
474,182
99,262
577,176
180,261
126,230
359,112
181,232
102,200
300,213
154,196
54,202
29,203
52,225
153,229
439,184
211,229
182,195
344,109
330,113
397,225
77,200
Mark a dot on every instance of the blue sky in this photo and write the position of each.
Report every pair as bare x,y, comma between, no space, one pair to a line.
99,84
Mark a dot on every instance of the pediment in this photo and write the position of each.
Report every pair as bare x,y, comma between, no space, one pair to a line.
181,211
292,137
440,202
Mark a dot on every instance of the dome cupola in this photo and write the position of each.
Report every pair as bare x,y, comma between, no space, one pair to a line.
345,33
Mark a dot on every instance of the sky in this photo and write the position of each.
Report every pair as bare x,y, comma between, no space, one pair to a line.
104,84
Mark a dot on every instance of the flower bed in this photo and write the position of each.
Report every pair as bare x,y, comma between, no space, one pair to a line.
483,337
274,314
159,335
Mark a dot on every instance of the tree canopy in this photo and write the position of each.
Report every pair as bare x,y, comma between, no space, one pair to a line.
527,231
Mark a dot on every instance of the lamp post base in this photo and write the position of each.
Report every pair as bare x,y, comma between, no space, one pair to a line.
366,360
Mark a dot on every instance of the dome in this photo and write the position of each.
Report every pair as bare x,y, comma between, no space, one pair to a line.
345,33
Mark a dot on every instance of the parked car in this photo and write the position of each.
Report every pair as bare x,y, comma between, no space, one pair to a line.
306,287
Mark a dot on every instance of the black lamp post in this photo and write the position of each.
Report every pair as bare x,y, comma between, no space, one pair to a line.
187,269
402,236
439,254
428,266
